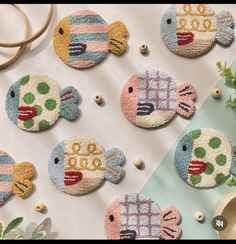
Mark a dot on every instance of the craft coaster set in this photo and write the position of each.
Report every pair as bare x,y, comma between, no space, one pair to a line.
204,157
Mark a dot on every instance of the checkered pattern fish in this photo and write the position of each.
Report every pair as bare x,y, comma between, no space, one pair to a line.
134,216
152,98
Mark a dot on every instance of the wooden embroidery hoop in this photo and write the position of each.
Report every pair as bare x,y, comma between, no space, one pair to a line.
27,39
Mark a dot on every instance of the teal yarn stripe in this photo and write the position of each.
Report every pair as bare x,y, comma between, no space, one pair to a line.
86,19
96,56
6,160
89,37
5,195
5,177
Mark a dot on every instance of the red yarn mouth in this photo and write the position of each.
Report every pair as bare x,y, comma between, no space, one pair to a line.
184,38
26,113
72,177
196,167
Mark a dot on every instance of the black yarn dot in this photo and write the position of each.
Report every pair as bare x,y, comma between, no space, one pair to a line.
111,218
56,160
168,21
131,89
61,31
184,148
12,94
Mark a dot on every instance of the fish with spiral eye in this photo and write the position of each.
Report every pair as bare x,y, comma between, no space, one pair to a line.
192,29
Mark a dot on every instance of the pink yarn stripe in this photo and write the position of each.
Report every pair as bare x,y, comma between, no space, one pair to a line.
84,13
83,63
2,153
6,169
88,28
5,186
96,46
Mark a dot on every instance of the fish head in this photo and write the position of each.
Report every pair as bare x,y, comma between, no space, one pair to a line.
129,98
61,39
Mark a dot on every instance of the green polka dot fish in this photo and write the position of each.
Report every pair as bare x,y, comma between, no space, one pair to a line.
205,158
35,102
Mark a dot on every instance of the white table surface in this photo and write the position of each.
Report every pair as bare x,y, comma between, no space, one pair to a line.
83,216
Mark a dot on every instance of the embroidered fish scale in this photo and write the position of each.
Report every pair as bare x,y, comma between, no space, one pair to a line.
205,158
35,102
152,98
133,216
79,165
190,30
84,39
14,178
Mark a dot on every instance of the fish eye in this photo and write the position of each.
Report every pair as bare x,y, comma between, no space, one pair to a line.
13,94
111,217
56,160
131,89
168,21
184,148
61,31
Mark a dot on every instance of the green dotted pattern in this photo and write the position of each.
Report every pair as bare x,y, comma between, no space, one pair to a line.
199,152
214,142
209,169
24,80
195,179
29,98
50,104
43,88
196,134
221,160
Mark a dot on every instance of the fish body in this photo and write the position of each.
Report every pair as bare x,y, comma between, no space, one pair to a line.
35,102
14,178
152,98
84,39
205,158
79,165
192,29
134,216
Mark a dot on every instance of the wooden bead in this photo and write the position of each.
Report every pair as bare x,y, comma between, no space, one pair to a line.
216,93
98,99
199,216
138,162
143,48
39,207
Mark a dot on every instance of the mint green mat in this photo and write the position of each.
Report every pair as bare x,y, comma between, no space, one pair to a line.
166,187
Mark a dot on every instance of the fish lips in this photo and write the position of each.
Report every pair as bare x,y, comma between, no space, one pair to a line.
26,112
128,235
72,178
196,167
184,38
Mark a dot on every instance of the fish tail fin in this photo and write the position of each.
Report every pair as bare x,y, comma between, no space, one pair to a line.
69,99
225,28
170,219
233,164
186,95
114,159
22,186
117,43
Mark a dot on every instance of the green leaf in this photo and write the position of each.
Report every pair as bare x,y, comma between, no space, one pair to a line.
1,230
40,226
39,235
12,225
20,237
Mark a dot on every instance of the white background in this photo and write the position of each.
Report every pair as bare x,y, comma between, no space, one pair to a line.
83,216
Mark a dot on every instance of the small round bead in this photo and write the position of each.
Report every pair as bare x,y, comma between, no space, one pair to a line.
98,99
138,162
199,216
143,48
39,207
216,93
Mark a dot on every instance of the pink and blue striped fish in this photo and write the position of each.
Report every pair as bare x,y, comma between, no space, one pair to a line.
84,39
14,178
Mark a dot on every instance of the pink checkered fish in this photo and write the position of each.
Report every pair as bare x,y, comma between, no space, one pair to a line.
134,216
152,98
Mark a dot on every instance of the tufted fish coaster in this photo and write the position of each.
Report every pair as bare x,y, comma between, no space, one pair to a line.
35,102
151,99
79,165
84,39
14,178
192,29
133,216
205,158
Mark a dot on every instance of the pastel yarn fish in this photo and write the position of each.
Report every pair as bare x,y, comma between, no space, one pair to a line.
14,178
152,98
205,158
80,165
35,102
133,216
192,29
84,39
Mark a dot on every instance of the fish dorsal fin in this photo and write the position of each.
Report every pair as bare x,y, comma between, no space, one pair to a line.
117,43
225,28
233,164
